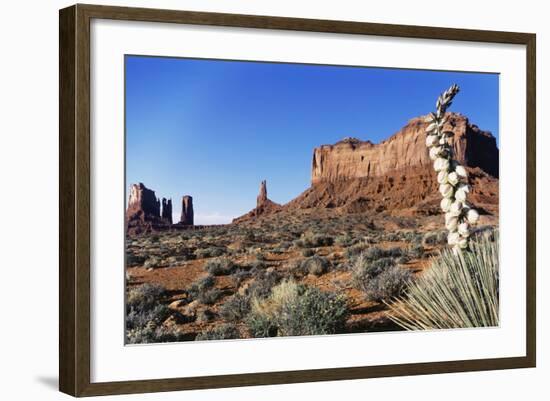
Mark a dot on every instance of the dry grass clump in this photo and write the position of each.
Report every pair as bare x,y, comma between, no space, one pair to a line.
459,290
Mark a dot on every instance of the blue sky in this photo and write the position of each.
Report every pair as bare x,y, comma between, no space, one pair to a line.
214,129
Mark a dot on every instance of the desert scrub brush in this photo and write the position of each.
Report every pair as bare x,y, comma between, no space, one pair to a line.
459,290
451,176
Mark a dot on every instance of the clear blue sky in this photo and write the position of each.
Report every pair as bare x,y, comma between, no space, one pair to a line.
214,129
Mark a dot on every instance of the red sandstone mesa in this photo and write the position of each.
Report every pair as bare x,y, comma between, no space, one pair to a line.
352,158
396,175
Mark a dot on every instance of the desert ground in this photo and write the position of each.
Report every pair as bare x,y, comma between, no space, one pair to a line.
233,281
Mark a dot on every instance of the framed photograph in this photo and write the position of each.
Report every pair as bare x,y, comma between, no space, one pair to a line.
250,200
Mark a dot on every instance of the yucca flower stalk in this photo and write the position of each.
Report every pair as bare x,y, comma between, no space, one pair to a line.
451,176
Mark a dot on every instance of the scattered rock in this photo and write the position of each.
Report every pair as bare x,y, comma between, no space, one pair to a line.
190,309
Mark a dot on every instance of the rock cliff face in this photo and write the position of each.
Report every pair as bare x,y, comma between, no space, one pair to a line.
187,214
167,210
146,213
397,175
352,158
142,202
143,212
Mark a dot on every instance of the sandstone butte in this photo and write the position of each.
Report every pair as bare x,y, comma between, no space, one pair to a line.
396,175
352,158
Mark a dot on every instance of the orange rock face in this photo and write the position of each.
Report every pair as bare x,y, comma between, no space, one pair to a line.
397,175
352,158
143,213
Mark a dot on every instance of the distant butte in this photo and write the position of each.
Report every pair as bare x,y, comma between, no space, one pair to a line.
146,213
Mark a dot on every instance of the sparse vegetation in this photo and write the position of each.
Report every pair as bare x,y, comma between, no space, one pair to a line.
201,285
316,265
220,266
389,284
435,238
294,310
279,278
380,279
235,308
222,332
211,252
209,297
145,314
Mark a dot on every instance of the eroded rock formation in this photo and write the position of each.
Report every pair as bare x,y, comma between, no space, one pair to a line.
262,196
397,174
143,212
167,210
352,158
187,214
264,205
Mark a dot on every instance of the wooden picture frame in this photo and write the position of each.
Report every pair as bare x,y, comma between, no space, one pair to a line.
74,199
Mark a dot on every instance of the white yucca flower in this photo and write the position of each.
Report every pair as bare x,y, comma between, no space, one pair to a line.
435,152
446,190
453,178
441,164
452,224
432,127
456,208
464,230
450,174
462,192
461,171
446,204
472,216
431,140
442,177
453,238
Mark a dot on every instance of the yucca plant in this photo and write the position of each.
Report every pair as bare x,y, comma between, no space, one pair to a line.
459,290
451,176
